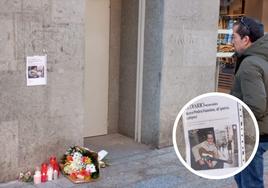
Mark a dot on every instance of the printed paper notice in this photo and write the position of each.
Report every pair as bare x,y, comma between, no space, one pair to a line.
36,70
213,128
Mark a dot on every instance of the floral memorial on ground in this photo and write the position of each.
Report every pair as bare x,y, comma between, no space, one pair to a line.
80,164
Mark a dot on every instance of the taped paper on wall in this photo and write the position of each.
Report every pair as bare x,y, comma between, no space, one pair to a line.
36,70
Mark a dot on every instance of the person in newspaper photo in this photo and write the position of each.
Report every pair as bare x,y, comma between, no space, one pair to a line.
206,154
32,72
251,86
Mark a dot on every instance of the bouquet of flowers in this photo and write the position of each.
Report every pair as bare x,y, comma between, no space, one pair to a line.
80,164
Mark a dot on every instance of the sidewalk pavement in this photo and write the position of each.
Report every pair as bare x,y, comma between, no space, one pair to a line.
136,166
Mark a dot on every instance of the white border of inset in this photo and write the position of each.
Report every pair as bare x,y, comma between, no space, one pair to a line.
175,140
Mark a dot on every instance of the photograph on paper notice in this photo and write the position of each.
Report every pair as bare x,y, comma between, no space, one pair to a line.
214,135
36,71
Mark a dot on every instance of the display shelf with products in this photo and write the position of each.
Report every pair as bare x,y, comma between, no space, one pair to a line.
226,20
225,52
225,60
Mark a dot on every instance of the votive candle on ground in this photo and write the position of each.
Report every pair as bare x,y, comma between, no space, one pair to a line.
55,175
37,177
43,177
50,173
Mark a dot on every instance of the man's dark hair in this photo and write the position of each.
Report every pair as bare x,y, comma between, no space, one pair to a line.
211,133
250,27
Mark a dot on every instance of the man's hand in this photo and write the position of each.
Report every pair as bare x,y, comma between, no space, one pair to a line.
209,162
201,162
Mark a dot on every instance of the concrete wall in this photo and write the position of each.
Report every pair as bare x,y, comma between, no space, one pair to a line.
189,57
114,64
153,59
128,67
177,66
38,121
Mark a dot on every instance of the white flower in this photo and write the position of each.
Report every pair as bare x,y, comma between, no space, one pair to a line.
77,156
75,166
91,168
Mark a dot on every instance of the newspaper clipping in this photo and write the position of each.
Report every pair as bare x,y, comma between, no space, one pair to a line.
36,70
214,135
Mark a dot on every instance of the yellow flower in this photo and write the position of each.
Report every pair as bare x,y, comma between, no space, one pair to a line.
86,160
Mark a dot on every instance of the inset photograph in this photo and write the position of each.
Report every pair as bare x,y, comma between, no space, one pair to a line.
214,148
36,72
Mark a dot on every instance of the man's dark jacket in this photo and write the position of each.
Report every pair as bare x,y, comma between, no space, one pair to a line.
251,82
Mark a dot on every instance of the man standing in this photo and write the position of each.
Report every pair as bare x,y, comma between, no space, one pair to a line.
251,86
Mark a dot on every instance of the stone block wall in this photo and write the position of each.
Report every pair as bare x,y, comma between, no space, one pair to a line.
189,57
39,121
152,71
114,64
180,40
128,67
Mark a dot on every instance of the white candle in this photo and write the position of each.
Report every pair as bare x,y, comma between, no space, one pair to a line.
37,177
49,173
55,174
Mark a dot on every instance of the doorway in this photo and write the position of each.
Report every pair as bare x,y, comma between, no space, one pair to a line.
97,30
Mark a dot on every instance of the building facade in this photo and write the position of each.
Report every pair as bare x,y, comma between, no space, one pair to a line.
113,66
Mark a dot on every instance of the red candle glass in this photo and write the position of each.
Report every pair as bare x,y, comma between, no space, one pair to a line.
44,172
44,167
53,162
43,177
